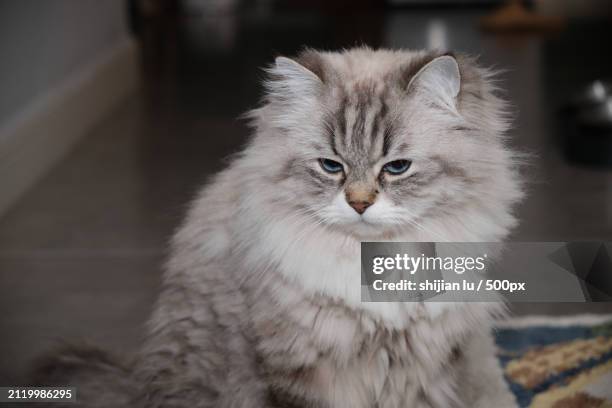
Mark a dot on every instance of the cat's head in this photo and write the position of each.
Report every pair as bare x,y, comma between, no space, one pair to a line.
377,143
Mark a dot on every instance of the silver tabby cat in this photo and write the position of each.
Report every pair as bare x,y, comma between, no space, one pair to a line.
260,304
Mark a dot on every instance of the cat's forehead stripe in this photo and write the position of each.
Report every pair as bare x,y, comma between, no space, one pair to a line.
358,134
362,129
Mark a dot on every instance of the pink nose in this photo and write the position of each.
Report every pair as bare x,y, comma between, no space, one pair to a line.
360,206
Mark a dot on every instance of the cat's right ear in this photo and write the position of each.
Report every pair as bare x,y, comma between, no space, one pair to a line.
439,78
287,80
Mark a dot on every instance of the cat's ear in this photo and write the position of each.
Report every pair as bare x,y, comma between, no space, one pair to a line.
440,77
288,80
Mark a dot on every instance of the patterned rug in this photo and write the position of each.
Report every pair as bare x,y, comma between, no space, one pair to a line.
557,362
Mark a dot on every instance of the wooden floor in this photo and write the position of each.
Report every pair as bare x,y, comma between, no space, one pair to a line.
81,253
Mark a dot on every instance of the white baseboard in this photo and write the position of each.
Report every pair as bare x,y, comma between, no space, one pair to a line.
43,133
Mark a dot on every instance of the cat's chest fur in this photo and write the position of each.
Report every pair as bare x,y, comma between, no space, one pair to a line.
318,344
320,263
318,352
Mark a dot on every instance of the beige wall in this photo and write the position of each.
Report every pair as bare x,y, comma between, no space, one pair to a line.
42,43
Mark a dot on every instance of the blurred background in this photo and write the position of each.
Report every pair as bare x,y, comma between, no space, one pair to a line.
113,113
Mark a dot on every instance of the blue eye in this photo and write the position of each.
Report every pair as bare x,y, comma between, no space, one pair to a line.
331,166
397,166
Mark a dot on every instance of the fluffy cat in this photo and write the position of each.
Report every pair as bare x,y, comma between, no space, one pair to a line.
261,305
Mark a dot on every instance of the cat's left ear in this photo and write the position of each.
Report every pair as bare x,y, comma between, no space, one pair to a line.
290,80
440,77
